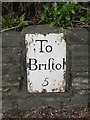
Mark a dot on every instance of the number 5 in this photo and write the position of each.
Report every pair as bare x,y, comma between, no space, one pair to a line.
45,82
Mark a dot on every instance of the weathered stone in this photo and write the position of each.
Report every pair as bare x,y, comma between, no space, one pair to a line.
80,74
80,86
10,78
78,101
79,62
78,55
12,39
11,58
78,36
0,69
37,100
15,84
79,48
43,29
11,55
10,68
10,84
79,68
81,92
80,80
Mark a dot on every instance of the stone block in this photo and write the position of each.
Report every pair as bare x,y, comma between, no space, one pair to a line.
10,68
78,36
12,39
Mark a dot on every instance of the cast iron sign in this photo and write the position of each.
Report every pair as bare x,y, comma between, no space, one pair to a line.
46,62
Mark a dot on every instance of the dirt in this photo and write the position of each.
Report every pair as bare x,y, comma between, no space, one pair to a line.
48,112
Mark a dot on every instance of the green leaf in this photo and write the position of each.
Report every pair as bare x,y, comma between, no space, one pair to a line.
24,23
42,15
46,7
22,17
73,11
82,19
62,29
67,18
55,6
69,27
88,15
52,23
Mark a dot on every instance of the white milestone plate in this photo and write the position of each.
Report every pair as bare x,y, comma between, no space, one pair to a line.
46,62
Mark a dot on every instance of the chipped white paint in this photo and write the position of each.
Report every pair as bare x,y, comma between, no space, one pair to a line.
45,58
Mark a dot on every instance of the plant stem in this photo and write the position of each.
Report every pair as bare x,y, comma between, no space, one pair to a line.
3,30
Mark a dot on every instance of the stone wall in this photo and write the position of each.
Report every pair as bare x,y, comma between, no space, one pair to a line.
14,81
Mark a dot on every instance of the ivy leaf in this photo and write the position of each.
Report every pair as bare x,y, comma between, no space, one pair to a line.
24,23
73,11
82,19
42,16
55,6
67,18
62,29
52,23
22,17
46,7
69,27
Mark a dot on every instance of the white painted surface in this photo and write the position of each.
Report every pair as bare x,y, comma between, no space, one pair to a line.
47,79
